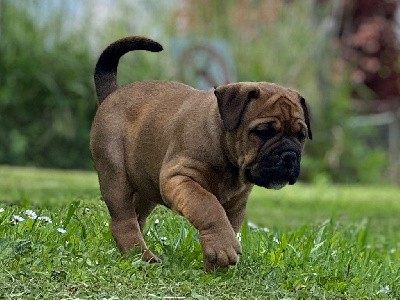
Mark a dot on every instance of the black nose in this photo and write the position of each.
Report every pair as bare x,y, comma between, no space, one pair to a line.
289,158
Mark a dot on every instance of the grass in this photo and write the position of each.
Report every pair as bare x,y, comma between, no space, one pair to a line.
310,242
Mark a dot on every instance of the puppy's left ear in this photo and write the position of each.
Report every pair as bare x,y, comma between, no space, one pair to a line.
232,100
306,116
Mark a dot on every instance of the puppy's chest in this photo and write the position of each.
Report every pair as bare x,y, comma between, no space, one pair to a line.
230,188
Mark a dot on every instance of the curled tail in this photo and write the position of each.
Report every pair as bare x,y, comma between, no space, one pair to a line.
105,73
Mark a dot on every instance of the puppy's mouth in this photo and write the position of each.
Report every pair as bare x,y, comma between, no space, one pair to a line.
275,171
266,181
276,185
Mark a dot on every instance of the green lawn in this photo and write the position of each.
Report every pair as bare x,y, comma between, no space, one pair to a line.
311,242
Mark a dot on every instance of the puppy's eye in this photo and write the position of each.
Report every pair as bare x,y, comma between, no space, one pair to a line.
264,131
301,136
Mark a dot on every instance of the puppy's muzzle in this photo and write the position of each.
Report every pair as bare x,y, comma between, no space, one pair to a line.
275,170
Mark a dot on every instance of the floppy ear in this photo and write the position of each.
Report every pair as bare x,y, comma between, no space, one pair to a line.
306,116
232,100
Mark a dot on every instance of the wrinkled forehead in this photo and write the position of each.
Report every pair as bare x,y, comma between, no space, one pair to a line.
276,101
273,92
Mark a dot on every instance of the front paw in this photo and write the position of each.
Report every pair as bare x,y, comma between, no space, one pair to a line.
221,249
149,257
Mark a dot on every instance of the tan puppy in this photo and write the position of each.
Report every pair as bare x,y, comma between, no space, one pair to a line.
196,152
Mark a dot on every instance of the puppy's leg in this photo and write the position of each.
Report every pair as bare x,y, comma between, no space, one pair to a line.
143,208
119,197
235,210
203,210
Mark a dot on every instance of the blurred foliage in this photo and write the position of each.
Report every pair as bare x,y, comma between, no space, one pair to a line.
341,152
271,41
47,98
46,94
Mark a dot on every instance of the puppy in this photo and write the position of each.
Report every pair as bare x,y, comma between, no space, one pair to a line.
197,152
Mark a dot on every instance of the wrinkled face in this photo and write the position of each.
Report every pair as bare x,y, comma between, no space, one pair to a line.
273,139
270,133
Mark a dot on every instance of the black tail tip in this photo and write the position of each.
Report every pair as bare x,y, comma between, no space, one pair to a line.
151,45
156,47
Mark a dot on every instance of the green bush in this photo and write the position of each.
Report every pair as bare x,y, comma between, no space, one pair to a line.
46,93
47,97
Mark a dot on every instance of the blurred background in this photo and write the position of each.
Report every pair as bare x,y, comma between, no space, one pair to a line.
342,55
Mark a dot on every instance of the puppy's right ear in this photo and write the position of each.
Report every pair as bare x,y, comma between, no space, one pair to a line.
232,100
